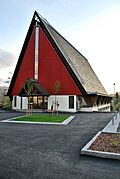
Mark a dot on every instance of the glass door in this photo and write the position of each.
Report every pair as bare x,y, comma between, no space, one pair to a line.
39,102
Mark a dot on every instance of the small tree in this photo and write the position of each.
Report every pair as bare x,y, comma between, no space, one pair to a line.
55,91
28,86
29,89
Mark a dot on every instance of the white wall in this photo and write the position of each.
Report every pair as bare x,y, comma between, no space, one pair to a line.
24,102
18,103
102,108
63,101
86,109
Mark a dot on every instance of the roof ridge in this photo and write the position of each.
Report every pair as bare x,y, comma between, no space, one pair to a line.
41,17
47,22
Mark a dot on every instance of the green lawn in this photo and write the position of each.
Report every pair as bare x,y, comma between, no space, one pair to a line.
42,118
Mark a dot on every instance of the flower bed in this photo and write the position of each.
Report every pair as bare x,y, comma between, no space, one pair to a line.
106,142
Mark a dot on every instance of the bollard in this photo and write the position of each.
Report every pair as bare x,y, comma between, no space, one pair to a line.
119,113
113,121
116,115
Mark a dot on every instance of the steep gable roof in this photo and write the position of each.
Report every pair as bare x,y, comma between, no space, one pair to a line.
38,88
77,62
21,56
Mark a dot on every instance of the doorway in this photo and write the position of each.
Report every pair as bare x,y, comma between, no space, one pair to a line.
39,102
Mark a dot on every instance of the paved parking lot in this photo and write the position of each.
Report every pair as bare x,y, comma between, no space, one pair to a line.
9,114
30,151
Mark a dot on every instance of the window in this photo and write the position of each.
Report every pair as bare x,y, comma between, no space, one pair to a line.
21,103
71,102
36,51
15,101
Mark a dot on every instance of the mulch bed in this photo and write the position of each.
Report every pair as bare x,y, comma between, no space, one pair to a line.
107,142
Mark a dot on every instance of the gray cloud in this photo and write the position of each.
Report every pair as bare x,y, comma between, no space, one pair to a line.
7,59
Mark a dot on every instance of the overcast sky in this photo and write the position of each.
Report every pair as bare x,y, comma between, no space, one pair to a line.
92,26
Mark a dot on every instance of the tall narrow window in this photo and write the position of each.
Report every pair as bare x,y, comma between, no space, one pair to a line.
36,50
71,102
15,101
21,103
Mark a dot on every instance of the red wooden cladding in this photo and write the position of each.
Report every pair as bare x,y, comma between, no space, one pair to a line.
51,69
26,70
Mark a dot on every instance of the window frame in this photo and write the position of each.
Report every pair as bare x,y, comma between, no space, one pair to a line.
71,102
15,101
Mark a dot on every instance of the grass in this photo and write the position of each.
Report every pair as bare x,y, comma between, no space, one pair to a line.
42,118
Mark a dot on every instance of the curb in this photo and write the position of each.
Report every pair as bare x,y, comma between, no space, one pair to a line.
113,124
85,150
109,128
66,122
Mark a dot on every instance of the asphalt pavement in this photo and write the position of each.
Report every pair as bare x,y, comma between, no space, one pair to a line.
7,114
30,151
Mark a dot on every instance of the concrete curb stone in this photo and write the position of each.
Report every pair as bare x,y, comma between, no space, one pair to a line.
109,128
66,122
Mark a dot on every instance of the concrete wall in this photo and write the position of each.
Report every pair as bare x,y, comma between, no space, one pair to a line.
102,108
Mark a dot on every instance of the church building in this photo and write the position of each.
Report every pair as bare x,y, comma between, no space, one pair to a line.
48,60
